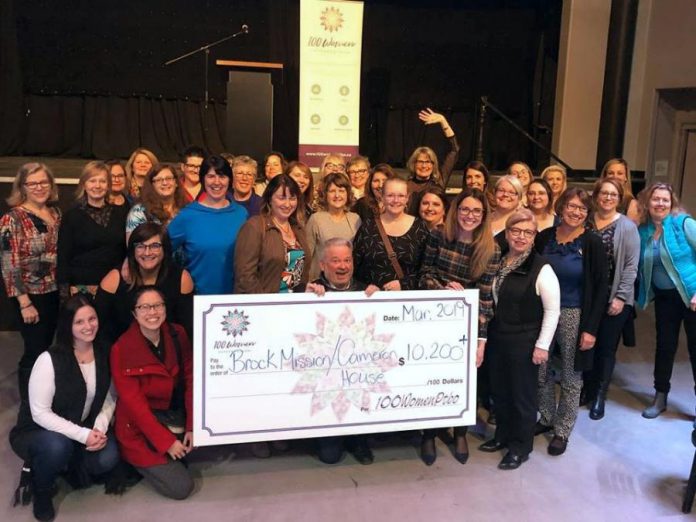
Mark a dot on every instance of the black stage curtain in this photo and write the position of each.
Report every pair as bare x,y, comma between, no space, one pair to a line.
87,79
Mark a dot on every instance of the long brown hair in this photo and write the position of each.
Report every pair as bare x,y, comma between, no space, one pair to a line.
152,201
483,241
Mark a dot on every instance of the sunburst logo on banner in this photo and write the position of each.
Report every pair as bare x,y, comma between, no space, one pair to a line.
235,323
331,19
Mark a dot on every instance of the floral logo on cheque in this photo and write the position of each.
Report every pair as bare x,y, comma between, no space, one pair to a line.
235,322
331,19
343,363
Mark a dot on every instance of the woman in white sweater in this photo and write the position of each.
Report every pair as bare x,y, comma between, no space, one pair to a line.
64,423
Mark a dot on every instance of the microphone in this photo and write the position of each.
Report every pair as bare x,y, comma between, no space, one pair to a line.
245,28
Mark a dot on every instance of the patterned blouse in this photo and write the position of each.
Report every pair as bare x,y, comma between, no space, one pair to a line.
28,249
446,261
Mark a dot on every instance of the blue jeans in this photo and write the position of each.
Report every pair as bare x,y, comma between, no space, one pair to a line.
51,453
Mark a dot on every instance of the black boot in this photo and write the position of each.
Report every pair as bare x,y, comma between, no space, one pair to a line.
597,408
43,505
607,370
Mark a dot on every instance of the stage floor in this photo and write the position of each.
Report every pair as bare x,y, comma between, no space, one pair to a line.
622,467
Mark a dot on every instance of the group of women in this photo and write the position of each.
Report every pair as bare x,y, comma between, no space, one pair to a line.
127,258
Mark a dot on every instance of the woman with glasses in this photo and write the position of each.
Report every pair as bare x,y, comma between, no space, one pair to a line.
620,237
508,198
358,169
667,276
462,255
206,230
540,202
527,306
152,371
371,204
393,230
161,198
423,165
334,221
617,168
137,167
149,263
190,166
274,164
28,255
91,240
119,184
578,257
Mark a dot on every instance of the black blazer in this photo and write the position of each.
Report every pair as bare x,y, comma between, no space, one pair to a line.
595,287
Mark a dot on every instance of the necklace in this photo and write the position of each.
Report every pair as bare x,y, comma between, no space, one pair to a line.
287,229
85,356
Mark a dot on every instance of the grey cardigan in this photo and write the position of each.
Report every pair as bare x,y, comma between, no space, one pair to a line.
626,257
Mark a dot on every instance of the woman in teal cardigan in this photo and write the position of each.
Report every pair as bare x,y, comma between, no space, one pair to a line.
667,276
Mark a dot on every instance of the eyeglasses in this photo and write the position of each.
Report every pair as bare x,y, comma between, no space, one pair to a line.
466,211
358,171
664,201
517,232
33,185
190,166
576,208
503,192
118,176
165,179
144,247
424,162
608,195
335,166
150,307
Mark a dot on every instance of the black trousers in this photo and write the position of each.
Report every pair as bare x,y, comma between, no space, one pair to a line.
608,336
670,313
37,337
513,378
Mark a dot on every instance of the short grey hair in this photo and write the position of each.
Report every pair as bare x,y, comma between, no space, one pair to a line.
334,241
244,160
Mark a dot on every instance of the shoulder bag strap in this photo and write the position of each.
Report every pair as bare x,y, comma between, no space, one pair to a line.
390,250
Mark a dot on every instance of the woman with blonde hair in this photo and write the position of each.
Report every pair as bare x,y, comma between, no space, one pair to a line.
556,177
508,198
462,255
91,240
523,173
137,167
617,168
28,253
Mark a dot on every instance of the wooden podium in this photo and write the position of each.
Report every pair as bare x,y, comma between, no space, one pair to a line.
249,107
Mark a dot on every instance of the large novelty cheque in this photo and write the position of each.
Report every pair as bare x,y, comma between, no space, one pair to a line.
270,367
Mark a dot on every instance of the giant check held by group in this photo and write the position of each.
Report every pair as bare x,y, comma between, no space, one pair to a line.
270,367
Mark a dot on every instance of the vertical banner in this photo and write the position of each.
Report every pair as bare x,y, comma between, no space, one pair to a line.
330,52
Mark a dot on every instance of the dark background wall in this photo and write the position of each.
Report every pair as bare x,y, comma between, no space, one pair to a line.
86,78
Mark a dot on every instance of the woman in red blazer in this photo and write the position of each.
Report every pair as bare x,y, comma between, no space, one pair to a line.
152,370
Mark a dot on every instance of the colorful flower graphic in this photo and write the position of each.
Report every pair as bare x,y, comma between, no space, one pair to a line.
235,323
337,349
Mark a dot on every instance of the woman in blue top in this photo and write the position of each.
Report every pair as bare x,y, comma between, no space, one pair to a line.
578,257
666,274
207,230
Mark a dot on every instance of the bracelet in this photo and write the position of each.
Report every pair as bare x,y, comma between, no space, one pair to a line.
27,306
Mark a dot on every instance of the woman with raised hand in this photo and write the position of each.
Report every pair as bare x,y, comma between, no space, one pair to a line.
137,167
206,230
462,255
667,261
620,237
334,220
91,240
149,263
371,204
28,256
579,260
161,198
556,177
152,370
540,202
388,250
423,164
64,422
617,168
527,306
